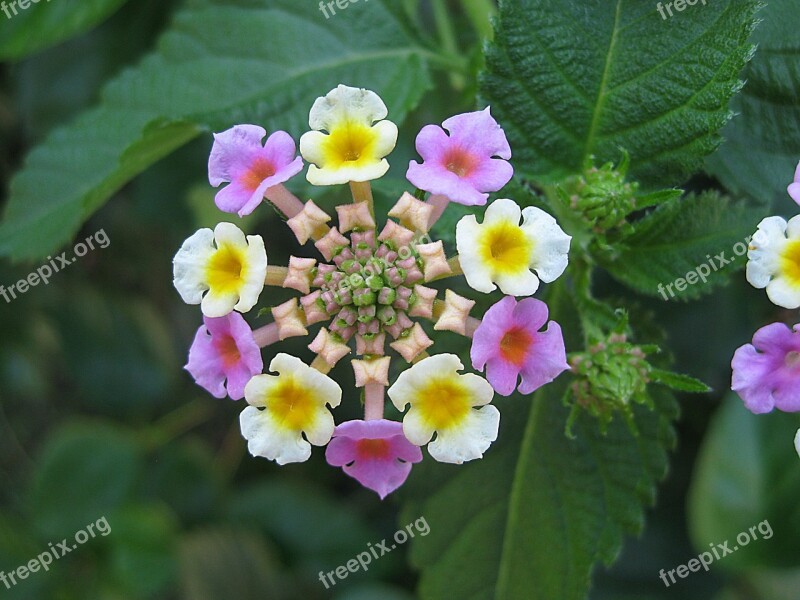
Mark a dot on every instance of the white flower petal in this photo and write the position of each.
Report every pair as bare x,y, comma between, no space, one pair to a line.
228,233
469,441
416,429
321,431
343,103
523,284
783,293
550,243
387,137
502,209
253,274
215,304
404,389
311,147
477,273
797,442
258,388
189,266
266,439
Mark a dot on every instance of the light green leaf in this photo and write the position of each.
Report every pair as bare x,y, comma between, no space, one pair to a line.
45,23
85,472
572,79
762,144
747,474
684,248
221,63
539,510
679,382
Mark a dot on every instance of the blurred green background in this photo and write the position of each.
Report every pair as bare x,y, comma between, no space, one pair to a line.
98,419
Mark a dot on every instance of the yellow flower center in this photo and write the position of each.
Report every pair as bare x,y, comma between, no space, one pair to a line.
225,269
790,262
292,405
350,144
444,403
505,248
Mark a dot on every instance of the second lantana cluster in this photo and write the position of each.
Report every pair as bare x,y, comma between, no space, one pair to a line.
370,291
766,372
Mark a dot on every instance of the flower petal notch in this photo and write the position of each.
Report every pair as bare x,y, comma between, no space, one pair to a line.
461,165
501,251
224,349
766,373
508,344
250,169
221,270
285,407
350,137
375,453
774,260
794,187
443,402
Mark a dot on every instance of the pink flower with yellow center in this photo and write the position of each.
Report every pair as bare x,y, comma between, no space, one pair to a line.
508,344
253,171
460,163
375,453
224,348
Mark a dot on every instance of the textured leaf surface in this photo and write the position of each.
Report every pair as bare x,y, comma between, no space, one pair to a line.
683,238
574,79
762,144
534,515
47,23
256,64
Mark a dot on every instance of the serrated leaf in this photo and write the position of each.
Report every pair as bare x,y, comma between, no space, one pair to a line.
221,63
572,79
762,144
542,509
700,240
679,382
43,24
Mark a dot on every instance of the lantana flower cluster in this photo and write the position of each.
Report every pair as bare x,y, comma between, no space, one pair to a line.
368,291
766,372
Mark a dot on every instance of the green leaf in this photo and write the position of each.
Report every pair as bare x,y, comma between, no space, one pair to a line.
679,382
746,474
86,470
226,563
221,63
573,79
762,144
684,248
43,24
540,509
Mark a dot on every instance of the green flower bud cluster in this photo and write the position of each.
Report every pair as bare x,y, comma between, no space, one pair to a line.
603,197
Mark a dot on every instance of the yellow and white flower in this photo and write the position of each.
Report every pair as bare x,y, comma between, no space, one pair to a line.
357,138
774,260
283,407
443,402
502,251
221,270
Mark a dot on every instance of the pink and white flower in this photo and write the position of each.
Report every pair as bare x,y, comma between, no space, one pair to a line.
508,344
249,168
224,349
460,163
375,453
